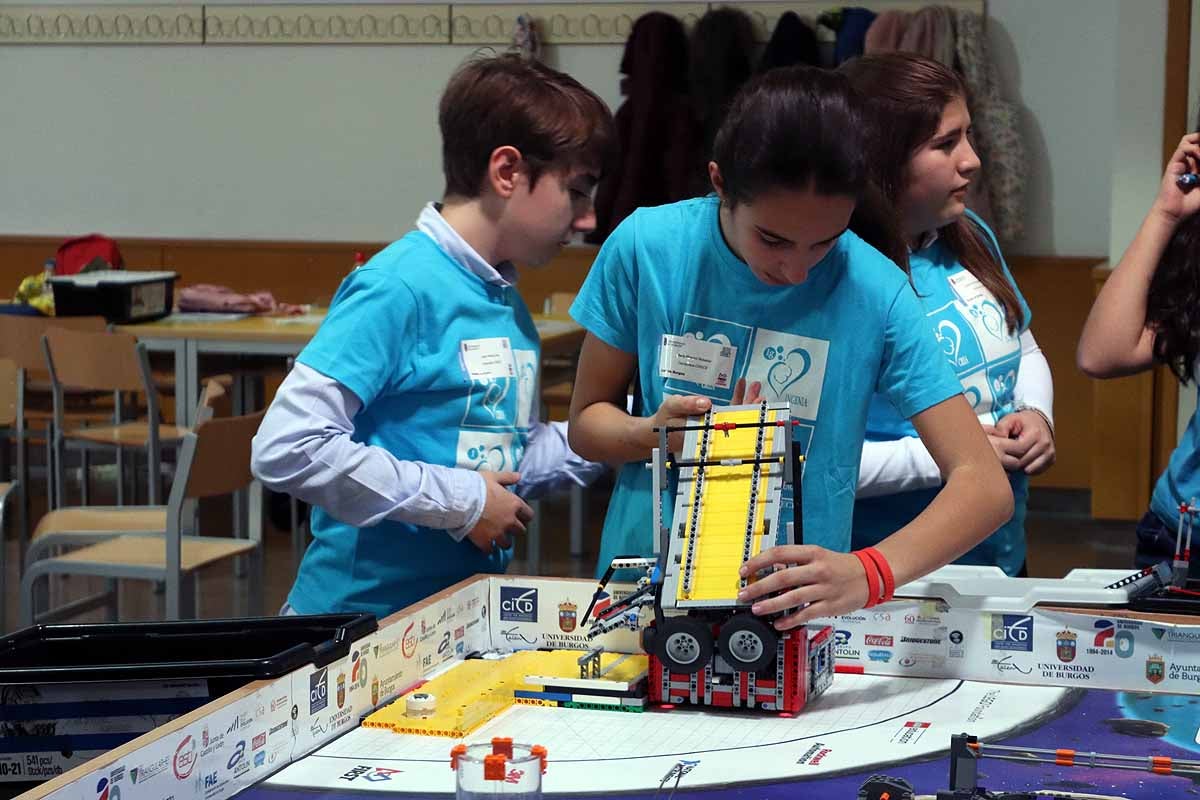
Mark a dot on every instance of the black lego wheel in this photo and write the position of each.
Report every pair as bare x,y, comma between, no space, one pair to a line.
747,643
684,644
648,637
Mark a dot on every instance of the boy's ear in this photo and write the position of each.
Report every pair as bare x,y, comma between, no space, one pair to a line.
504,165
714,177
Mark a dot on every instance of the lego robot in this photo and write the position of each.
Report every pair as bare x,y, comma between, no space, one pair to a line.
705,647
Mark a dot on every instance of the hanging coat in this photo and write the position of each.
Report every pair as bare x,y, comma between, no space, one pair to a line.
655,128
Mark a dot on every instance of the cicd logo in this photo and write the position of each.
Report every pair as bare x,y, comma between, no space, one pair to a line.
318,690
408,642
185,758
518,604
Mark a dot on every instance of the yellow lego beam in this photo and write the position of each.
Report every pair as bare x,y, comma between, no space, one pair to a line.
472,692
720,535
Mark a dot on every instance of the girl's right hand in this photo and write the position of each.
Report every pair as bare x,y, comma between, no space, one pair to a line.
674,411
1173,201
676,408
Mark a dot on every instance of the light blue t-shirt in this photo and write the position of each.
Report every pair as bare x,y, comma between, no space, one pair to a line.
852,328
393,336
1181,480
968,324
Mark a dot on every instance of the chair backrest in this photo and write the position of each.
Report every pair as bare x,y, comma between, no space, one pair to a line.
21,337
95,360
214,399
8,392
220,457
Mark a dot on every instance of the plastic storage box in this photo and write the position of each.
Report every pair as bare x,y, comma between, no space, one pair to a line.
118,295
71,692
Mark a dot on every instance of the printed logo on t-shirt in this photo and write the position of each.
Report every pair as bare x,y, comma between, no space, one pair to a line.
958,338
489,404
503,403
1002,380
791,368
527,364
483,450
975,338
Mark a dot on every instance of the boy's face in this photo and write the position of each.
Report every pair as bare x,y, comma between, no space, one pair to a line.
546,217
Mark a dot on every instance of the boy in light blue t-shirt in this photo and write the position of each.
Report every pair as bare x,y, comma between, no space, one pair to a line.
411,416
764,281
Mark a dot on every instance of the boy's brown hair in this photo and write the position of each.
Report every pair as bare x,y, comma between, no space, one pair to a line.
490,102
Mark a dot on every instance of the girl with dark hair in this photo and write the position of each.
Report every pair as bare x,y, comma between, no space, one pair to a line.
922,159
765,281
1149,312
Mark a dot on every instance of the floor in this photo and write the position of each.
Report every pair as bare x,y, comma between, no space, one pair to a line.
1060,532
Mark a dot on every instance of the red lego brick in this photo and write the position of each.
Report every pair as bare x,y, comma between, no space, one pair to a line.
722,698
655,681
494,768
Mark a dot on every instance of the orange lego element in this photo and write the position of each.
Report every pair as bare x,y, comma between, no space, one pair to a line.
494,767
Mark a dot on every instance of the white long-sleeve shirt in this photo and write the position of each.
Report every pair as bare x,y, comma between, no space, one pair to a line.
305,448
903,465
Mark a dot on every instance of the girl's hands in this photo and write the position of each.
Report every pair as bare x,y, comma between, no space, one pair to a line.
829,583
1175,202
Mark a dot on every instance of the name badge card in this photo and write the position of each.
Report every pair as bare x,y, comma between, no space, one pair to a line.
969,289
684,358
487,359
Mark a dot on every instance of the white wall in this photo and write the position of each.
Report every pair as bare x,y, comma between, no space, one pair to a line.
320,142
1057,61
1138,129
340,142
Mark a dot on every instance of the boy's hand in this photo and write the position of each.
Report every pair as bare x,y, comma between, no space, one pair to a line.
829,583
1034,441
504,514
674,411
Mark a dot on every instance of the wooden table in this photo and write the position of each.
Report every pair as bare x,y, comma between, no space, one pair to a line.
188,338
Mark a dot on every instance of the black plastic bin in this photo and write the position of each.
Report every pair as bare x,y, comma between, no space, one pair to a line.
120,296
64,687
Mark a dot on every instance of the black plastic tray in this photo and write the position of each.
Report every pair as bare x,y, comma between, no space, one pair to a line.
243,649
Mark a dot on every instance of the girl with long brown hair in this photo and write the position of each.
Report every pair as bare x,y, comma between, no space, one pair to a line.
920,155
1149,313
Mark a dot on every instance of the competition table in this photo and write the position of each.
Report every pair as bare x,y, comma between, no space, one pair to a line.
300,738
188,337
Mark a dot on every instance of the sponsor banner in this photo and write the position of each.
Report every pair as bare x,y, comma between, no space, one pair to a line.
316,711
300,712
1042,647
528,613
